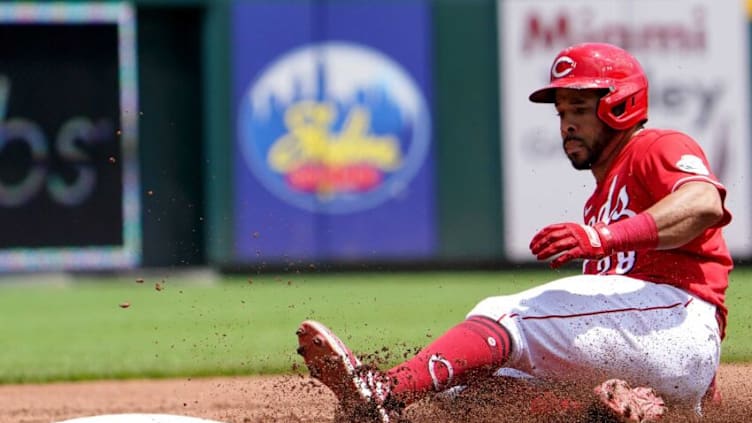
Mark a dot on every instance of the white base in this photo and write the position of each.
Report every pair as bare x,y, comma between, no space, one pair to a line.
138,418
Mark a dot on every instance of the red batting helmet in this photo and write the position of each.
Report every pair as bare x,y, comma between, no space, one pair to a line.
602,66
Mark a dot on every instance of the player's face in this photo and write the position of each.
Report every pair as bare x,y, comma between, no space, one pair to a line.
583,134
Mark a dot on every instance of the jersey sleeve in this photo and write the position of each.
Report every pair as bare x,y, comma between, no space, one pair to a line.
672,160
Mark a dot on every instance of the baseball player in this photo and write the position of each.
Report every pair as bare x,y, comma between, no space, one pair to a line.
647,315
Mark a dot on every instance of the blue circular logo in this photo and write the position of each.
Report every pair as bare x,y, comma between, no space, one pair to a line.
334,128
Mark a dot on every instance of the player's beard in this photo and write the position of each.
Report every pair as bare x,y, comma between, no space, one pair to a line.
593,150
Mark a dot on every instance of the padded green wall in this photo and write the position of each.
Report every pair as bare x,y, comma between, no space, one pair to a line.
171,135
467,130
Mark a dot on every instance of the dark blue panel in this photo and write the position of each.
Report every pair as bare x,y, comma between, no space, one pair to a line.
333,156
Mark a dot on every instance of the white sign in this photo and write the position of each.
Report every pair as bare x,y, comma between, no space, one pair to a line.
695,53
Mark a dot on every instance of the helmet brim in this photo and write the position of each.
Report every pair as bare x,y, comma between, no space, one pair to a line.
547,94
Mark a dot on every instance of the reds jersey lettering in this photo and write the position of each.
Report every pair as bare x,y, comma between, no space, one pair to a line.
667,160
614,208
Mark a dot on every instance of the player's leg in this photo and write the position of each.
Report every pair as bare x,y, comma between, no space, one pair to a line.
363,393
599,328
477,344
553,331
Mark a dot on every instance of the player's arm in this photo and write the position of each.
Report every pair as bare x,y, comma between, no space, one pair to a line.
672,222
684,214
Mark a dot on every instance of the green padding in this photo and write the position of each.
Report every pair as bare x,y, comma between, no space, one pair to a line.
467,130
218,133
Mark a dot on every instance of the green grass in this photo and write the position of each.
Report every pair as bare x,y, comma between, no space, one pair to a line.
74,331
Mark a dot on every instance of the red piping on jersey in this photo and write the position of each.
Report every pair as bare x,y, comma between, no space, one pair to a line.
513,315
683,181
593,313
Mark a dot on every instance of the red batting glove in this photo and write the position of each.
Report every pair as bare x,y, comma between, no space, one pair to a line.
571,241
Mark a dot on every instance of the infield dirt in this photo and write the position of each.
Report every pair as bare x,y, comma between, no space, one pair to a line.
292,398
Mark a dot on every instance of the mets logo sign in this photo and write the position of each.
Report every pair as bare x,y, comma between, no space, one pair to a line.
334,128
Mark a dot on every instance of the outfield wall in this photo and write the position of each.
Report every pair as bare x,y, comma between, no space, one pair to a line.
413,90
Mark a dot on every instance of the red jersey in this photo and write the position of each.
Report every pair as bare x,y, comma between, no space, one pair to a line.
653,164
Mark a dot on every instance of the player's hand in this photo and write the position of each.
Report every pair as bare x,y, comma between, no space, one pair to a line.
571,241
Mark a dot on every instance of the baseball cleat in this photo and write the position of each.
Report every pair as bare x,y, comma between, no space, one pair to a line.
712,397
358,389
629,404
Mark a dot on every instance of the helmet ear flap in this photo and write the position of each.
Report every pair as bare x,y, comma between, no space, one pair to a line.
625,106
